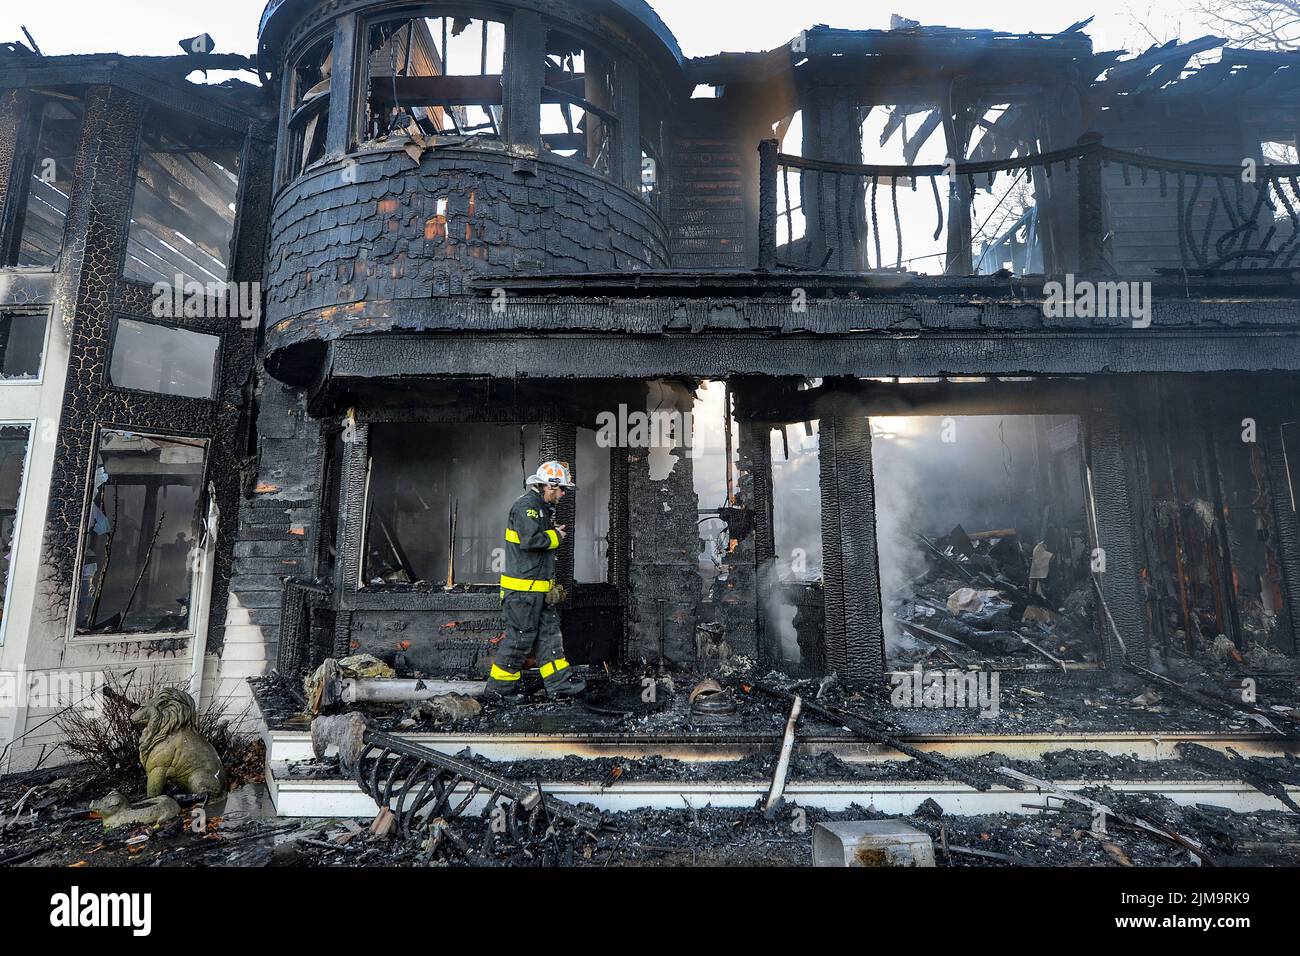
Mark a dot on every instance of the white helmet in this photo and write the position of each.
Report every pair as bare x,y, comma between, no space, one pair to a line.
552,473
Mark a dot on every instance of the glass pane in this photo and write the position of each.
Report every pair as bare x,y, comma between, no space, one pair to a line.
157,358
39,229
578,101
144,522
443,73
425,481
13,455
183,212
22,342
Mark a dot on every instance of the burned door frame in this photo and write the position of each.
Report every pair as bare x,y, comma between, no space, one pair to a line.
352,597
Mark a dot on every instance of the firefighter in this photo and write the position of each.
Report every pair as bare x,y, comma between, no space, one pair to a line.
529,592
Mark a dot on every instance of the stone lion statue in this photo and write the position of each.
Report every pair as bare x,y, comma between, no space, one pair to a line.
172,751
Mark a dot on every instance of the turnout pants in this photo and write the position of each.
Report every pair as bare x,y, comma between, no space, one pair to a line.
532,628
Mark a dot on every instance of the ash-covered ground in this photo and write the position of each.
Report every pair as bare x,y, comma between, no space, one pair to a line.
54,829
44,818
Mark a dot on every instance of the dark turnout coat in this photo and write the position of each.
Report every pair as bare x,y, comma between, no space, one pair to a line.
531,543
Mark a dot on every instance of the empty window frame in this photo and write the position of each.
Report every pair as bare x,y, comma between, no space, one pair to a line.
443,73
437,500
652,149
14,440
159,358
183,209
578,109
590,540
22,344
309,111
42,181
144,521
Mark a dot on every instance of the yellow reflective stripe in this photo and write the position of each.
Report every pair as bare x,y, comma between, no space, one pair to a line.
523,584
512,535
555,539
502,674
558,664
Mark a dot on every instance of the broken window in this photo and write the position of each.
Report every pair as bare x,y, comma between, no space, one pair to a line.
578,101
42,181
13,460
437,500
22,343
442,73
183,211
791,224
652,149
310,112
144,521
160,358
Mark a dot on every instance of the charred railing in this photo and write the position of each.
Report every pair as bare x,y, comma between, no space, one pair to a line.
1244,202
1241,217
306,628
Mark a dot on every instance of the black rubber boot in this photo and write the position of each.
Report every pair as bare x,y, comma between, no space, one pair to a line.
506,692
565,683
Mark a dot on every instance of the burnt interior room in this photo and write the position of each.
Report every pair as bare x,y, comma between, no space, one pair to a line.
704,541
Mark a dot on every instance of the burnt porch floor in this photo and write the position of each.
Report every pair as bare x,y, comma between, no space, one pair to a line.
1031,703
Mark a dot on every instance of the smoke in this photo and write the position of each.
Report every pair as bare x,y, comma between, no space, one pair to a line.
900,481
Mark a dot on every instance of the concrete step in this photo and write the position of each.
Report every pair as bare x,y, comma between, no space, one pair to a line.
340,797
283,745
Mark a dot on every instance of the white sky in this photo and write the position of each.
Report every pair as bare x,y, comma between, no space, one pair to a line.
702,26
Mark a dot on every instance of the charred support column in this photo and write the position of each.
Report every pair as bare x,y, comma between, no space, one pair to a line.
767,170
855,637
663,578
1111,468
835,213
1282,463
559,442
750,561
1092,220
13,141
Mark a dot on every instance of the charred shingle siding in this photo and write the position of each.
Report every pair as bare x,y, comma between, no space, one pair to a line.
379,231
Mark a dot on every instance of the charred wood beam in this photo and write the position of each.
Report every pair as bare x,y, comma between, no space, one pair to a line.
855,638
1110,439
588,355
559,442
877,731
342,85
783,402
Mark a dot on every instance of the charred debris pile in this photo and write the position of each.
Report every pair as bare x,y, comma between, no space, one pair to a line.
986,598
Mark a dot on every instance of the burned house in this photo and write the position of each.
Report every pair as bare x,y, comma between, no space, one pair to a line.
875,346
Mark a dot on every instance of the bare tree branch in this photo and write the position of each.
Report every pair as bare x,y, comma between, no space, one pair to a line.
1260,24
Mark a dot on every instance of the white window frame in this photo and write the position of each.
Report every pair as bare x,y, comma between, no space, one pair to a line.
18,519
45,350
198,583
